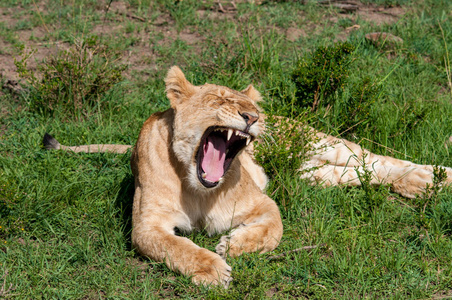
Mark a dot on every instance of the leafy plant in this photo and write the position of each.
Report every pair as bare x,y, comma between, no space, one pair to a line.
425,203
357,107
373,197
73,80
318,76
285,145
283,150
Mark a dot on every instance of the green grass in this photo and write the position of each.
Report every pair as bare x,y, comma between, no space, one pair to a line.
65,218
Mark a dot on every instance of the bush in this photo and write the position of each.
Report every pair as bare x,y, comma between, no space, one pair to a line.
357,107
73,80
318,76
284,147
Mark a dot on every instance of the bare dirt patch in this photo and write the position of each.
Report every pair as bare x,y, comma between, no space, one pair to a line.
31,39
7,67
7,16
368,12
215,15
293,33
190,37
140,57
378,15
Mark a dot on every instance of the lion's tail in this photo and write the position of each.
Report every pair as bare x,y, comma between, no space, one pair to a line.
50,143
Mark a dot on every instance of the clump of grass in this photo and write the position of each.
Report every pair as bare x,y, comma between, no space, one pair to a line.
11,220
447,63
411,115
425,203
292,136
284,149
373,197
73,80
318,76
357,111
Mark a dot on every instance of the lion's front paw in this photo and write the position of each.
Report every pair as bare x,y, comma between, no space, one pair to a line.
211,270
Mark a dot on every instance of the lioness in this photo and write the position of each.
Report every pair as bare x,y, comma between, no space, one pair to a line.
194,169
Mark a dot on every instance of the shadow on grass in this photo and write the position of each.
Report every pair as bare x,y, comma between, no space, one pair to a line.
124,202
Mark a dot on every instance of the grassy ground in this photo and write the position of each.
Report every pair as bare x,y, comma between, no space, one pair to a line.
65,218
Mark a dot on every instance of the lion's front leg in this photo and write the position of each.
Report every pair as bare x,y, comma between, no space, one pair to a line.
153,236
181,254
260,231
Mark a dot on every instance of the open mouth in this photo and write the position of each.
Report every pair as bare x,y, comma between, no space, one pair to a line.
218,148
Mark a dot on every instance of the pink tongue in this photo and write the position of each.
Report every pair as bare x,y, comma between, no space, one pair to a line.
214,156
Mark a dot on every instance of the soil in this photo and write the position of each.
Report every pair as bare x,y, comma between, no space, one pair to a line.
139,57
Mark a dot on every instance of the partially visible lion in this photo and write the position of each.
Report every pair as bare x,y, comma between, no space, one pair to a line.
335,161
194,169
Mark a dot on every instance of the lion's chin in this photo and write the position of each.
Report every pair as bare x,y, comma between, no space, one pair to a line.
217,149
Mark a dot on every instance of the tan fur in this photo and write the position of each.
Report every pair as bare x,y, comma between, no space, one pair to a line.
168,194
335,161
95,148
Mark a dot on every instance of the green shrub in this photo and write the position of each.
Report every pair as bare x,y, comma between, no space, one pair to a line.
73,80
282,151
426,203
318,76
357,107
322,77
284,147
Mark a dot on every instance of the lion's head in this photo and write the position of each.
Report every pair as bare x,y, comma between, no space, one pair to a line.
212,125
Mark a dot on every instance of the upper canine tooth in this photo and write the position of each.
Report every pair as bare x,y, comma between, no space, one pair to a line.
248,140
229,133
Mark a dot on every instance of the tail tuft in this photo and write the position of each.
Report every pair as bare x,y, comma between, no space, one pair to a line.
50,142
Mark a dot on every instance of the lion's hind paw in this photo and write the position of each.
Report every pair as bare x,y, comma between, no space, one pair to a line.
222,248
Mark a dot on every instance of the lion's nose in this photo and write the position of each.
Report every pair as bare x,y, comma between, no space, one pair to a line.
249,118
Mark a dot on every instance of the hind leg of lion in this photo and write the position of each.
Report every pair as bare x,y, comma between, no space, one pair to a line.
405,181
337,161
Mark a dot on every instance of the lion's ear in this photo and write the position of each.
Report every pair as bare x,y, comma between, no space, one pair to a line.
178,88
252,93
